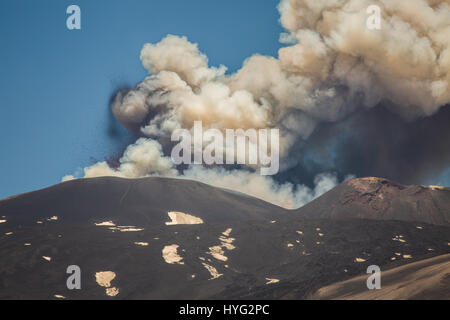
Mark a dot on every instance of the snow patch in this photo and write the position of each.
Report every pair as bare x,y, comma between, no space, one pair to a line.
112,292
142,244
271,280
399,238
105,224
182,218
212,271
126,229
225,243
170,254
104,278
227,232
217,253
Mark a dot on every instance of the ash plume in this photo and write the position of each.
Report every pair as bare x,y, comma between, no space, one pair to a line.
332,68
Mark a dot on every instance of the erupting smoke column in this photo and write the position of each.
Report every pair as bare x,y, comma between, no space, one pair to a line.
332,67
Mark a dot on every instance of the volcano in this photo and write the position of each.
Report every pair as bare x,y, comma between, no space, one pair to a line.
382,199
160,238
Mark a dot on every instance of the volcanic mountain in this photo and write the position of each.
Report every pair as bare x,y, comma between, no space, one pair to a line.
134,201
158,238
381,199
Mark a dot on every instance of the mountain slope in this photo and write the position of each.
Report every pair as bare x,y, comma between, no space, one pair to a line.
381,199
134,201
427,279
241,248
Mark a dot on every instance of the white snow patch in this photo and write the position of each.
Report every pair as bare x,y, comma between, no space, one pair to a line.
217,253
225,243
104,278
212,271
112,292
436,187
271,280
142,244
182,218
170,254
399,238
126,229
227,232
105,224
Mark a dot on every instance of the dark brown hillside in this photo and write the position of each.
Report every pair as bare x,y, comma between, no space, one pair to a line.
381,199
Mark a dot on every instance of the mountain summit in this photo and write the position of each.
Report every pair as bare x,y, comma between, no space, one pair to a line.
382,199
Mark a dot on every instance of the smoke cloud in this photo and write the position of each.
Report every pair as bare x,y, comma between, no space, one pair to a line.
332,67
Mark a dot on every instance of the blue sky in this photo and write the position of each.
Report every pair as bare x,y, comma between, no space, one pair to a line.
56,83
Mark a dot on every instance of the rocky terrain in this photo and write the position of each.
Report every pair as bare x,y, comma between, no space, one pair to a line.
157,238
381,199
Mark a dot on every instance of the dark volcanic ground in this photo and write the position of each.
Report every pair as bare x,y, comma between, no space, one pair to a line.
382,199
245,248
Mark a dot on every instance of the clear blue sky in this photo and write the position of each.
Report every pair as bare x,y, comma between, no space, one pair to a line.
55,84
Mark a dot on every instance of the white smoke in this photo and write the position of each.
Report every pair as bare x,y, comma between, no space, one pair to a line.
333,67
147,154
